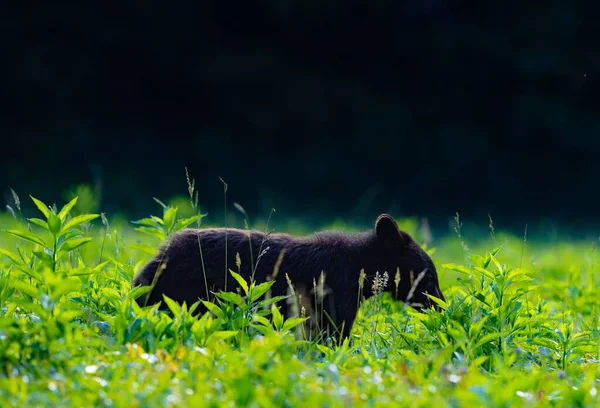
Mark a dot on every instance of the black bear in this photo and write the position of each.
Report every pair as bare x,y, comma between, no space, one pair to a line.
353,266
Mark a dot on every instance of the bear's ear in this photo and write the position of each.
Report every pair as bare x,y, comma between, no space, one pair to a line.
388,232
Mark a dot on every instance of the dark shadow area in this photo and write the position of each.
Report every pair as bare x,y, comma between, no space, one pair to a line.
336,109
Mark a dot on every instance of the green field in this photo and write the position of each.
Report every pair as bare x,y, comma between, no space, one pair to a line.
520,327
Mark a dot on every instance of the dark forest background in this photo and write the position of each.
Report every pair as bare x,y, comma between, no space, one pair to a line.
319,109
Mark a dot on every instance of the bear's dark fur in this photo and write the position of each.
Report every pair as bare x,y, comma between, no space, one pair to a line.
340,256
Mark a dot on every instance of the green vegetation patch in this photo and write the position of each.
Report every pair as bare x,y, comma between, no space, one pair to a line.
519,327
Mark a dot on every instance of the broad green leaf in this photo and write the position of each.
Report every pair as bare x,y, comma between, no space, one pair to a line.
293,322
475,327
481,297
262,320
27,236
479,361
71,245
29,272
223,335
326,350
67,209
477,259
65,236
488,257
241,281
64,287
486,261
173,306
437,301
28,289
41,206
455,330
496,250
74,243
54,224
231,297
497,264
487,338
39,223
155,232
579,335
68,316
260,290
443,339
169,218
184,222
129,337
458,268
158,220
518,272
264,330
264,312
138,291
12,256
80,219
148,222
484,272
193,307
267,302
277,317
44,257
214,309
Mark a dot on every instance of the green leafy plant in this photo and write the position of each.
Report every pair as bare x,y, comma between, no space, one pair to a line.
65,236
240,314
162,228
517,327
